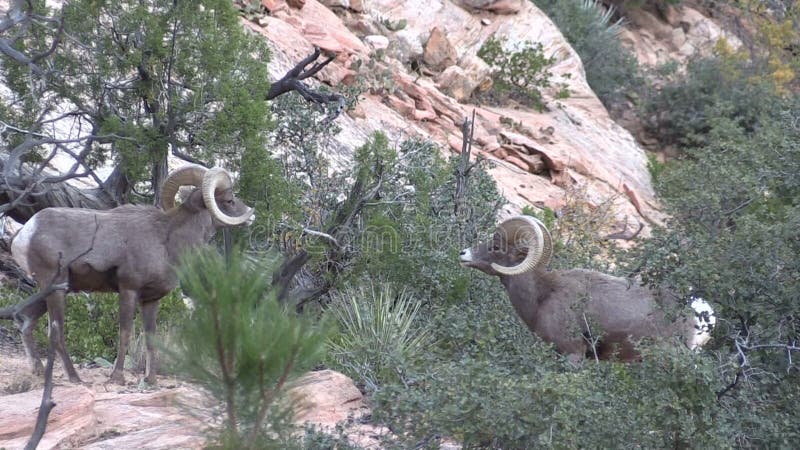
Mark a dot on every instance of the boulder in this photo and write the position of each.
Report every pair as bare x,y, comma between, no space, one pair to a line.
73,415
406,46
439,52
327,398
377,42
461,81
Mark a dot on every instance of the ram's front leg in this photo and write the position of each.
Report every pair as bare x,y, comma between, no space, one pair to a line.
127,310
149,312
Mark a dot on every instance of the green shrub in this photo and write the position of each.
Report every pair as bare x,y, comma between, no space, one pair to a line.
682,112
520,73
412,236
92,324
378,333
490,383
733,239
612,70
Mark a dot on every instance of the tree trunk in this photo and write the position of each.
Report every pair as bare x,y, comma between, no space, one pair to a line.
159,175
110,195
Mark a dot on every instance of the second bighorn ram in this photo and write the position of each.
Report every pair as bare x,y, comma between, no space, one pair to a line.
582,312
130,250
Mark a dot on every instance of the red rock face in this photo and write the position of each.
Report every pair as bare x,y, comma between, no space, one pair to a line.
537,156
99,415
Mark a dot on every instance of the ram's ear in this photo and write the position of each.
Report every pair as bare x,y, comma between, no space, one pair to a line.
184,192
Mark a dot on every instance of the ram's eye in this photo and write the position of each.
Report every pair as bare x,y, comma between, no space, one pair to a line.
495,248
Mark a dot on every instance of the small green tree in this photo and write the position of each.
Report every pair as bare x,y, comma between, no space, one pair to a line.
244,347
519,74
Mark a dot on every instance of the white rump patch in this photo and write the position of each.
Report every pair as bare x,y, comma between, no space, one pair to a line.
704,321
22,242
466,255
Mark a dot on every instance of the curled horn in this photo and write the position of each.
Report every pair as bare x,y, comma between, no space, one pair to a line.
219,178
547,251
525,232
188,175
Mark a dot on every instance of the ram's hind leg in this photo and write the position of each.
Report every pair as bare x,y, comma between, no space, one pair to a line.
55,308
127,310
26,320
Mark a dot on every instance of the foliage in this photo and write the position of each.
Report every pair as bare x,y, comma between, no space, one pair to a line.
519,73
491,384
579,231
413,238
611,69
92,322
378,333
733,240
244,347
773,28
141,79
316,438
683,111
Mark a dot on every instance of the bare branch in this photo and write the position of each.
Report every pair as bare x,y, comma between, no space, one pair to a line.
292,81
622,235
47,397
744,370
464,167
322,235
17,16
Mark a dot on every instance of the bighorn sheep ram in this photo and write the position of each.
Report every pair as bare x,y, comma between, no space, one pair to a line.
130,250
582,312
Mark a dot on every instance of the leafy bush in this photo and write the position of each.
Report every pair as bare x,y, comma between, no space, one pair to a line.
612,70
580,230
682,112
490,383
378,333
92,323
519,73
414,241
244,347
733,239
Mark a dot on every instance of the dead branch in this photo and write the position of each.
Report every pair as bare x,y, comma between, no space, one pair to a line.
47,398
293,81
623,235
462,173
743,347
23,194
47,393
17,16
337,254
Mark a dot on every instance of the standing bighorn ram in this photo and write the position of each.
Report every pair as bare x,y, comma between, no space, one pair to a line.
130,250
562,306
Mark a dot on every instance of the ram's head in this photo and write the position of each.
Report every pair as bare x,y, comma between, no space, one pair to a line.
216,191
519,244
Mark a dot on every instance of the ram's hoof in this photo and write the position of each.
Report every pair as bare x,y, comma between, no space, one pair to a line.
36,367
75,379
117,378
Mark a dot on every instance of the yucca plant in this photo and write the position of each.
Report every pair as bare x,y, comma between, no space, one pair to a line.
379,333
